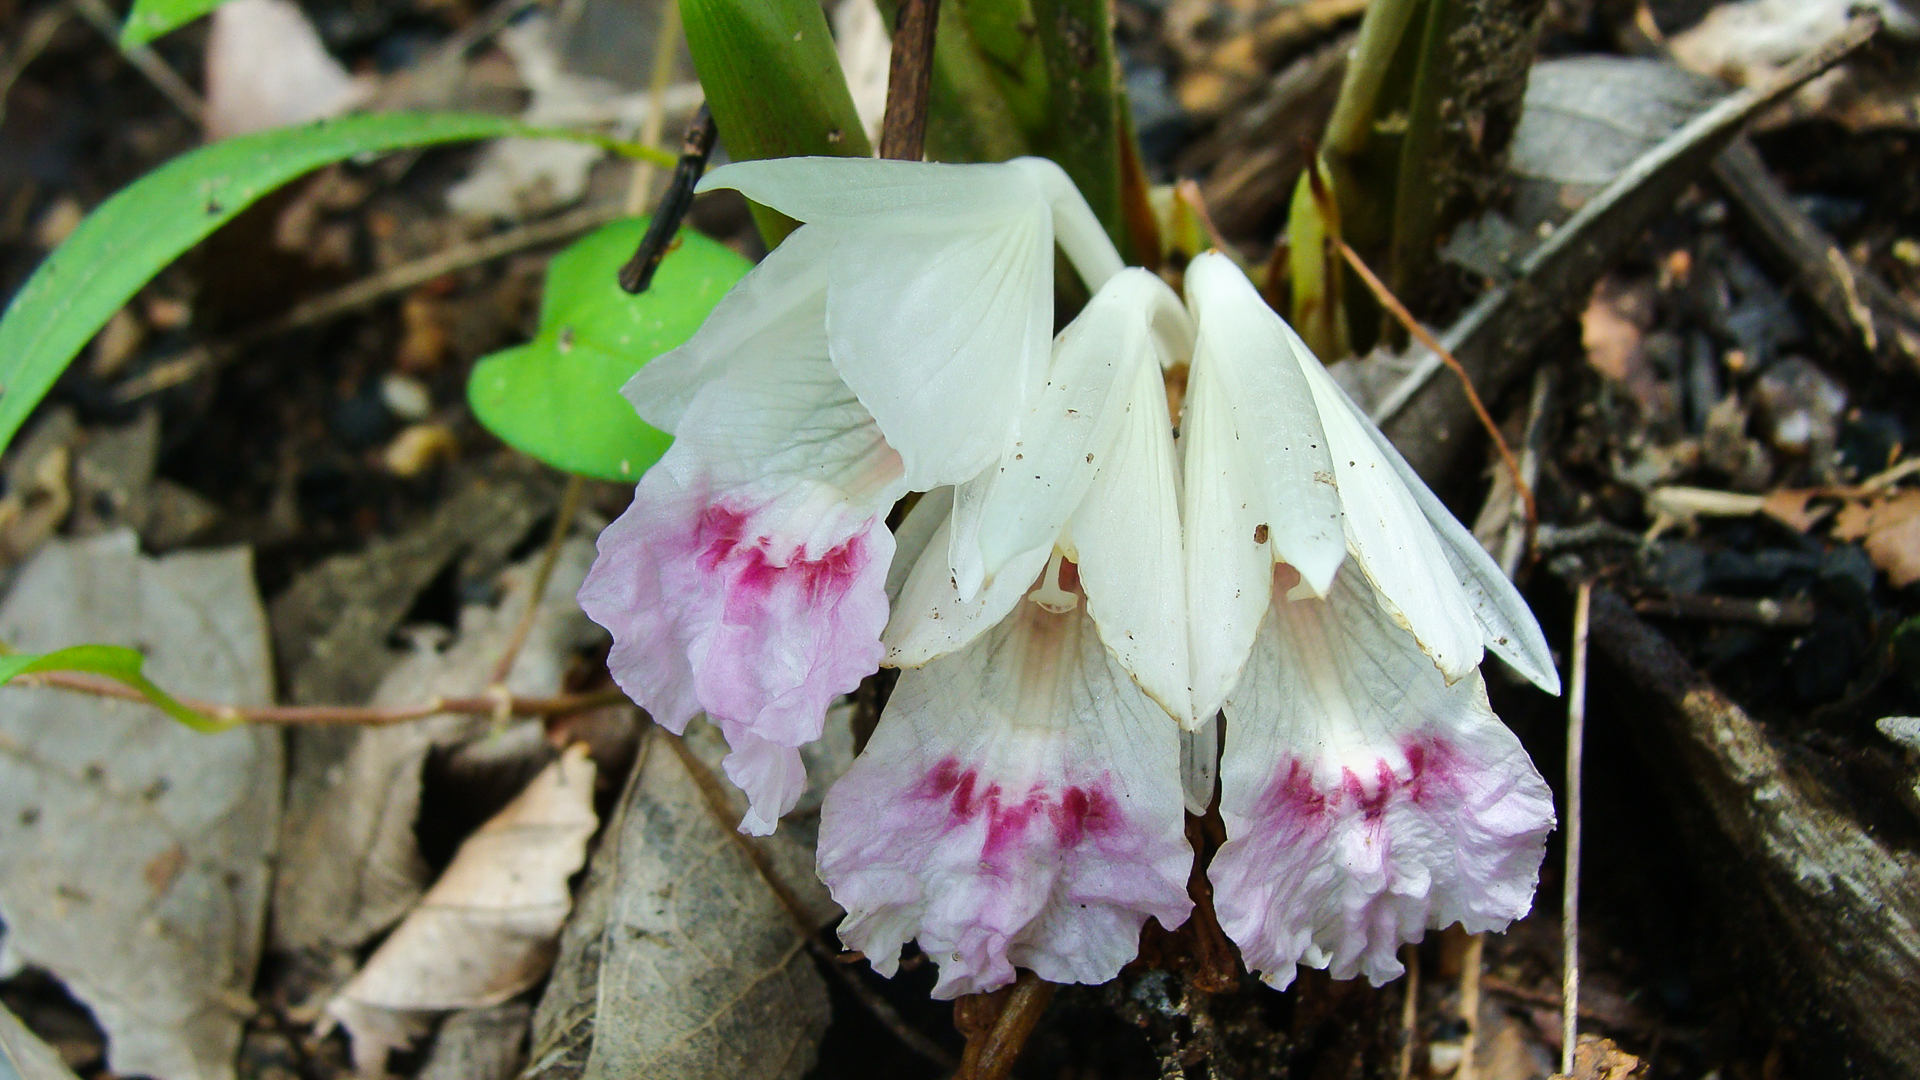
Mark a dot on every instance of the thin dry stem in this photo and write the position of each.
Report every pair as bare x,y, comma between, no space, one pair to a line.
562,525
490,704
1470,1004
1392,303
903,128
1410,1012
665,52
1570,899
145,61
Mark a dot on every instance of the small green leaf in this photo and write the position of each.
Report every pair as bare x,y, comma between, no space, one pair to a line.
115,662
151,18
133,235
557,397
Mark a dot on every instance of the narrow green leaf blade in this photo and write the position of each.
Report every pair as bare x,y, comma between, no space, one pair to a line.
151,18
557,398
124,243
774,84
114,662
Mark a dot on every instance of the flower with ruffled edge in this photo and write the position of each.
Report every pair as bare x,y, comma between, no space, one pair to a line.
890,344
1019,802
1340,614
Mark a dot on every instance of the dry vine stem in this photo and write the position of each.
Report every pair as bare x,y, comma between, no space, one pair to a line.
1570,900
1392,303
489,704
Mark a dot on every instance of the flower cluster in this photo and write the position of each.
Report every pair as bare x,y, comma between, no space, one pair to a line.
1076,600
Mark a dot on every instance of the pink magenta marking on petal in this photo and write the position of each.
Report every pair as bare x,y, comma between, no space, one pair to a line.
1078,814
1436,770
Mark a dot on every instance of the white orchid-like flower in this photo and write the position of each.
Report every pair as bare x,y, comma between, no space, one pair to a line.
890,344
1073,599
1020,801
1340,611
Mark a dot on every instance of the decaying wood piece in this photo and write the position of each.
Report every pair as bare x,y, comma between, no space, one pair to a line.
1813,898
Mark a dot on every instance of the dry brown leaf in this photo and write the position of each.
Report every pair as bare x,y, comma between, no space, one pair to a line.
1890,530
487,930
1793,507
1599,1059
266,68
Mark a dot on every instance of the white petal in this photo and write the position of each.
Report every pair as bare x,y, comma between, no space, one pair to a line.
1019,803
1126,539
1061,441
1365,799
1507,625
1391,540
898,194
916,532
788,424
1260,364
778,310
929,617
944,336
1200,764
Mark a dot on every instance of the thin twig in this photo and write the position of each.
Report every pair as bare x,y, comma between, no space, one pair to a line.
370,290
34,40
1392,303
994,1055
903,128
145,61
666,49
674,204
562,525
1470,1004
1410,1013
715,796
339,715
1570,900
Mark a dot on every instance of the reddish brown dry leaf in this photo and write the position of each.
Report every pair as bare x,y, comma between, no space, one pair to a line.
1599,1059
1794,508
1890,530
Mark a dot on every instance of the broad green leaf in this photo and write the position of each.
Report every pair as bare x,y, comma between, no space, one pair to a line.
115,662
557,397
1089,104
134,234
151,18
774,84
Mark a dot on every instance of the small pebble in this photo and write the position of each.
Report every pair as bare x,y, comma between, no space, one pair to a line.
406,397
420,448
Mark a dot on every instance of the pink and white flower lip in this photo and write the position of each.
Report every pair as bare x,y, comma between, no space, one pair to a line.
1365,798
1019,804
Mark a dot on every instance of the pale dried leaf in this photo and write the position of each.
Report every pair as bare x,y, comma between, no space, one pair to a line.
1793,507
1597,1058
1752,40
353,865
1890,531
680,962
266,68
24,1057
480,1044
133,851
487,929
1586,118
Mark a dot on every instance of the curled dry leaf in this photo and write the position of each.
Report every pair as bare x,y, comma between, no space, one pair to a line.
133,851
1889,528
486,930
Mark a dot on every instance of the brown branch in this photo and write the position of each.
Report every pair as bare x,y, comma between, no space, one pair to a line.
991,1053
903,129
562,525
637,274
325,715
1392,303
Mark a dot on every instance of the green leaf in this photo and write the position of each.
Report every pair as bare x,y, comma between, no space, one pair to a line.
151,18
1089,105
774,84
134,234
557,397
115,662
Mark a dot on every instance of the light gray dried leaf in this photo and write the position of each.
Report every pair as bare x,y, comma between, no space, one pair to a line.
24,1057
352,864
1589,117
486,931
133,851
480,1044
679,961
